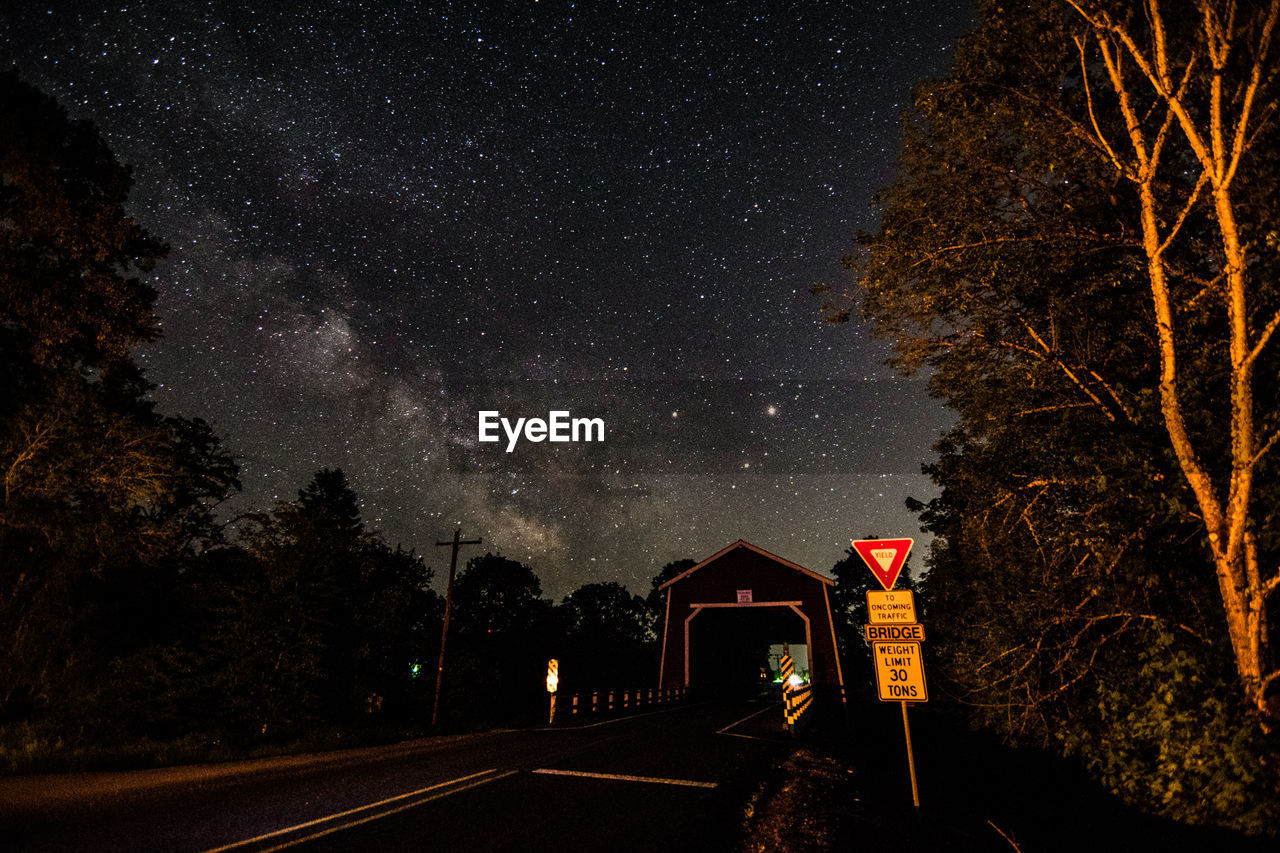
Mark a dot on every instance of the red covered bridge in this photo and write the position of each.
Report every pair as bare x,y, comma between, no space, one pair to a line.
727,617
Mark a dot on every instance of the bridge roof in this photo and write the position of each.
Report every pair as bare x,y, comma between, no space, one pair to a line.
742,543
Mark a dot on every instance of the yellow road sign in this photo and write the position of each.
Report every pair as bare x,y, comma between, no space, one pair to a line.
891,606
914,631
899,669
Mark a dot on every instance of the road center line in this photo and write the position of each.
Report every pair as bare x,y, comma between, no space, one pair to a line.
725,730
687,783
379,815
367,806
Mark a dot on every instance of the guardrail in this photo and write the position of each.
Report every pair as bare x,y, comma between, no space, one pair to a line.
627,699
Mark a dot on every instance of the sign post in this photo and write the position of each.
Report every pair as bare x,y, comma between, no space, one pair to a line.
895,636
911,759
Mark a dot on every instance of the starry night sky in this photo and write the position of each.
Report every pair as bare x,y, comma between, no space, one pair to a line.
385,217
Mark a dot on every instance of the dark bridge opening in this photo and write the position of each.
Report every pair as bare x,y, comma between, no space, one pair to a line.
729,647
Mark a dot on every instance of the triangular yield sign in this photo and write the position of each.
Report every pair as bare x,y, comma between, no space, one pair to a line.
885,557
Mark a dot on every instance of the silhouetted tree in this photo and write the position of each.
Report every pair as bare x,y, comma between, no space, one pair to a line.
657,600
336,616
497,597
505,632
68,252
610,638
103,499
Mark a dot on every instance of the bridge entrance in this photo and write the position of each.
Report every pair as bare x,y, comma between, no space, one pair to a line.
734,650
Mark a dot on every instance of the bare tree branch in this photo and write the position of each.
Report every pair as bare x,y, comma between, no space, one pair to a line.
1093,119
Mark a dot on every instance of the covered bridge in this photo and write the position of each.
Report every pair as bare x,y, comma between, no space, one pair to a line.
728,617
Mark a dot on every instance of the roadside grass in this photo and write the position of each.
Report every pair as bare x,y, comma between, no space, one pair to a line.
847,788
780,816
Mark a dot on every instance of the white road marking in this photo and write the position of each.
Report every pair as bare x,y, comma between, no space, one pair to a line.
725,730
687,783
366,807
442,794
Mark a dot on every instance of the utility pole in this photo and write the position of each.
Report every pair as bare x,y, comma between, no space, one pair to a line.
456,543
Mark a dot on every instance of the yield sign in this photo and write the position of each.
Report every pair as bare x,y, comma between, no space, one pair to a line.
885,557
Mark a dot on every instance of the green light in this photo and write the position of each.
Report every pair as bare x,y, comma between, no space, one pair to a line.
415,669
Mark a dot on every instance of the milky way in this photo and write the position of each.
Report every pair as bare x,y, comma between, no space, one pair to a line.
387,217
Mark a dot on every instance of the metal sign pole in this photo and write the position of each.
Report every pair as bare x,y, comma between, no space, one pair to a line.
899,662
911,758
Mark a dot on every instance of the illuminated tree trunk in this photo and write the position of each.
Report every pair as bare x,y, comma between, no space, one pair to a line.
1219,138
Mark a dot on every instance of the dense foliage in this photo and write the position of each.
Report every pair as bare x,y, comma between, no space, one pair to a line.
105,501
1072,589
611,637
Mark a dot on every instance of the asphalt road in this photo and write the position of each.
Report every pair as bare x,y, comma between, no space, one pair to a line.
674,779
